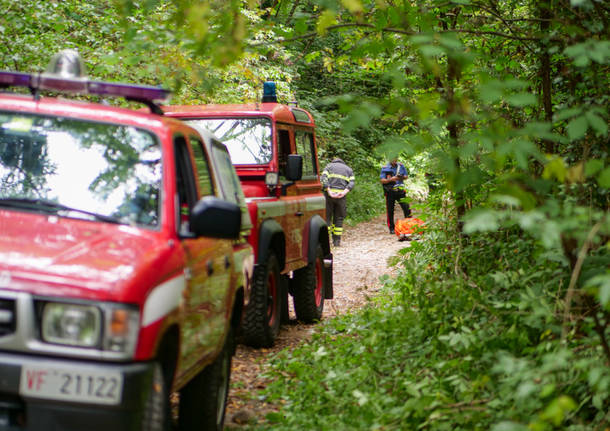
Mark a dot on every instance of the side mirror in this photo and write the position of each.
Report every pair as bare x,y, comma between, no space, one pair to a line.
216,218
294,167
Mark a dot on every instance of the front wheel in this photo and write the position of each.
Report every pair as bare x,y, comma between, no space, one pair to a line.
261,322
157,413
309,289
204,399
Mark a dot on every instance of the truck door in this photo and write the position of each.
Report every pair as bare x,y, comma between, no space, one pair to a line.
309,188
291,210
208,262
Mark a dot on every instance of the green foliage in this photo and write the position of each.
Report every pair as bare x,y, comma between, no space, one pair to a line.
456,342
500,318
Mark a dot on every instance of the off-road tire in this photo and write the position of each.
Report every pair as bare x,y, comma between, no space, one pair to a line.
203,400
261,322
156,412
309,289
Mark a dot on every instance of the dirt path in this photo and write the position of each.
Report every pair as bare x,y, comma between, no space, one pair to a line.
358,264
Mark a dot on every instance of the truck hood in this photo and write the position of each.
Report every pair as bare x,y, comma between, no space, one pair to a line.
66,257
257,190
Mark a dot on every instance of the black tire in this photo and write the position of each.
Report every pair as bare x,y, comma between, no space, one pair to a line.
261,322
203,400
156,412
309,289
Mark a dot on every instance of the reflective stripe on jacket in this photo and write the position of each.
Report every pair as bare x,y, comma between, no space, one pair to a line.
337,176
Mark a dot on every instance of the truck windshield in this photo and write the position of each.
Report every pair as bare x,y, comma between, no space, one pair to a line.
248,139
80,169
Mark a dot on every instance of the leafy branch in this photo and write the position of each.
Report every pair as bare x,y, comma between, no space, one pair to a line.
314,34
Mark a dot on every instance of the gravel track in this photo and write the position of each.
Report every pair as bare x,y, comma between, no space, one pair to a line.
358,264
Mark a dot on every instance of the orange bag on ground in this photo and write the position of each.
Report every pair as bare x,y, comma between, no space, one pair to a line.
408,226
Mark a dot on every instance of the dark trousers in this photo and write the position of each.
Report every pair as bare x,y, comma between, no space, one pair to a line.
336,210
391,197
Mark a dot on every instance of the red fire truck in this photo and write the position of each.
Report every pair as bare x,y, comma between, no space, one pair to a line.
122,273
273,148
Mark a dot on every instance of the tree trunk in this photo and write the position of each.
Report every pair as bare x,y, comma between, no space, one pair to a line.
545,71
453,124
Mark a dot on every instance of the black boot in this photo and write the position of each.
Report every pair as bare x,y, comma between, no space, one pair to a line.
336,240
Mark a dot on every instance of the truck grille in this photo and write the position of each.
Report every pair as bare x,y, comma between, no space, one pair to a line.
7,316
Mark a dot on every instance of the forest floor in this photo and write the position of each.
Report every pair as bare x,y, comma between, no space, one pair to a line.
358,264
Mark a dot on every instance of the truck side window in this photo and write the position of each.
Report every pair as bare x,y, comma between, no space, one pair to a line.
283,137
203,169
305,148
185,184
230,184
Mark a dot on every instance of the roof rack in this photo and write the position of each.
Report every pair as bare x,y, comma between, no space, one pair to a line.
66,74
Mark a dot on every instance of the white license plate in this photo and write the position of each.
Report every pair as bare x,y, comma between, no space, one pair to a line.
82,386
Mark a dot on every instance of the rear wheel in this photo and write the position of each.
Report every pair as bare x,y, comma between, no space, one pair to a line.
261,322
309,289
204,399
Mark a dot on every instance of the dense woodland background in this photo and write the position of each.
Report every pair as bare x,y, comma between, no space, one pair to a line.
499,319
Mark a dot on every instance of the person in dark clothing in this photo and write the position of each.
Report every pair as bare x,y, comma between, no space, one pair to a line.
392,178
337,181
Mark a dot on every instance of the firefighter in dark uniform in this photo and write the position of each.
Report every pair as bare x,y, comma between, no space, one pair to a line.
392,178
337,181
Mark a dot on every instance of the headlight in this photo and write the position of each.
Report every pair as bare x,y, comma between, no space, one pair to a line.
104,326
74,325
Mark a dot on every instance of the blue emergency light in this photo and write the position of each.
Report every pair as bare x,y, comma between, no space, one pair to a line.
66,73
269,94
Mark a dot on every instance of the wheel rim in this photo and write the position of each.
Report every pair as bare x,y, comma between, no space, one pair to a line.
319,283
271,298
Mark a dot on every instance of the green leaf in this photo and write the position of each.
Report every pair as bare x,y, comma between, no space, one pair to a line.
530,220
547,390
556,168
491,92
577,128
604,178
301,25
592,167
507,200
557,410
354,6
550,234
481,220
597,123
394,16
522,150
509,426
602,283
326,19
521,99
564,114
579,55
430,51
274,417
451,42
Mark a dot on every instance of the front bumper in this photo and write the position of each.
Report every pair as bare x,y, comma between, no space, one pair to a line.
26,413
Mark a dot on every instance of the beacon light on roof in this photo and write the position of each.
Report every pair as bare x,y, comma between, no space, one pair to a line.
269,94
66,74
